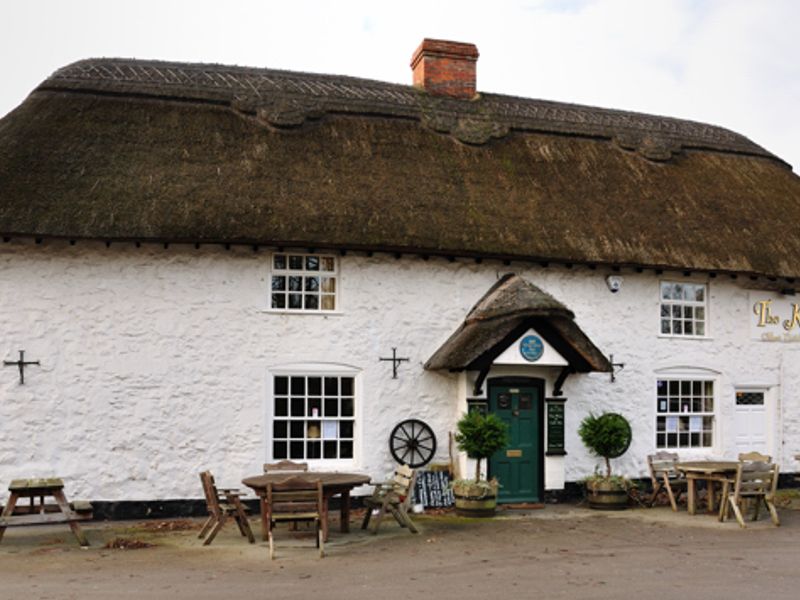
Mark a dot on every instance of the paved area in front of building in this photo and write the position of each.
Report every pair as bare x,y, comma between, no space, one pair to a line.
558,551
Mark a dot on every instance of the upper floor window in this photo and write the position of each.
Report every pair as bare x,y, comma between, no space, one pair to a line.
683,309
303,282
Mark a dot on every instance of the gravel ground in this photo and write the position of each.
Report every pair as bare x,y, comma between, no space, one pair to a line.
559,551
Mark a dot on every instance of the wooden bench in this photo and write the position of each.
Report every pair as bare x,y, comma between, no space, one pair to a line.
39,512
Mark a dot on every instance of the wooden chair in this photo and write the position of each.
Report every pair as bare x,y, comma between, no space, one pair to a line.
756,480
665,476
393,496
292,500
222,504
286,466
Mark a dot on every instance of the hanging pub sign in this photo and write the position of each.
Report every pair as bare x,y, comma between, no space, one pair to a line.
774,317
555,427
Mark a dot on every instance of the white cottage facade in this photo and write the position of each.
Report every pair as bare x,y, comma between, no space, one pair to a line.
166,348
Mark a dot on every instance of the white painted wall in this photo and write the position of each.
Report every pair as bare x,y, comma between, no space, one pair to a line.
155,361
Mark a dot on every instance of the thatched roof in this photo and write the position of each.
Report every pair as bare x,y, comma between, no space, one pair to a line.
511,307
149,151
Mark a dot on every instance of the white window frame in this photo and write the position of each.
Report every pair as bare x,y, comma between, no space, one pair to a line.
683,303
701,376
304,273
313,370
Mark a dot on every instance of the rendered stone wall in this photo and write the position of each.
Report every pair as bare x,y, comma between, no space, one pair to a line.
155,361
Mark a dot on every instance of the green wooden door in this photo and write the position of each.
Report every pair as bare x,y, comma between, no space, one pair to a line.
518,467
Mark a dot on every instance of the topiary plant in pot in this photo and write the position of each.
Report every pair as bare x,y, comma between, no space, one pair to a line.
479,436
609,436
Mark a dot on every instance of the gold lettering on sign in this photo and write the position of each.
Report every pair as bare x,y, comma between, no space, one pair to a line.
765,317
789,324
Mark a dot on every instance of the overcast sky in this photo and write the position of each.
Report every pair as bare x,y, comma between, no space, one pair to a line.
734,63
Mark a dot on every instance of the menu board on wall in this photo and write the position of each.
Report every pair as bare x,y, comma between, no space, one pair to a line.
555,427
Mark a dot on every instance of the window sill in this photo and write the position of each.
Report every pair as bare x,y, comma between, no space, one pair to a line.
314,313
696,338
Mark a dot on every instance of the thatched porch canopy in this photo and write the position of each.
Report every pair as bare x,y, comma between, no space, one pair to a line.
511,307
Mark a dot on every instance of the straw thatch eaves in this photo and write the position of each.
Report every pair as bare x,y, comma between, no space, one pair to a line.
510,308
150,151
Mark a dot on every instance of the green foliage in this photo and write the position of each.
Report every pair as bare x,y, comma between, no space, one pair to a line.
608,435
480,436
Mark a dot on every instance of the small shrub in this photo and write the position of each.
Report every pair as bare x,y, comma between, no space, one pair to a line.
480,436
608,436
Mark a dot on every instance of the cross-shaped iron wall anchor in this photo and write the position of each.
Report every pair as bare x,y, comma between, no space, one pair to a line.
395,361
614,368
21,363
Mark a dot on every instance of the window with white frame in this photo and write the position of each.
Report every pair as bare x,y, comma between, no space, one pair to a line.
683,309
303,282
684,413
313,417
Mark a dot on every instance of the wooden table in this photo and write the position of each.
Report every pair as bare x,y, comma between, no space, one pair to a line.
713,471
41,513
332,484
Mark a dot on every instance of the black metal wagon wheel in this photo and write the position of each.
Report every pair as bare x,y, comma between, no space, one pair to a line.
412,442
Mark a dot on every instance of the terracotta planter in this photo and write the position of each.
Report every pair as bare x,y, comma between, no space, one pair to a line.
606,495
474,500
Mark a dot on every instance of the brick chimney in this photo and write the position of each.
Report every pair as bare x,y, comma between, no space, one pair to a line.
445,68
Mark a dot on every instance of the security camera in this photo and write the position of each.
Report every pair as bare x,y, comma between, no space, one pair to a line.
614,283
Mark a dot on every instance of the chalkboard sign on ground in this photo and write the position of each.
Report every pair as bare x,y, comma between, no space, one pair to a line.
432,489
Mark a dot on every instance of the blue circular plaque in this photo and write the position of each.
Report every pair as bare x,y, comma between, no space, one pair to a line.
531,348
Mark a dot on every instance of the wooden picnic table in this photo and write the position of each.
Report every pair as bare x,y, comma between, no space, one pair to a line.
43,513
712,471
332,484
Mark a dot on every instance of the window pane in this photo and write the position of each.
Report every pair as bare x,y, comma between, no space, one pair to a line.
278,283
312,263
281,386
312,302
331,386
677,327
296,263
700,313
279,261
347,407
313,449
295,283
279,429
346,449
313,430
347,386
297,429
296,449
314,407
279,450
665,310
700,293
331,407
687,328
328,302
329,449
312,284
278,300
295,301
666,291
281,407
315,386
327,263
298,407
677,291
328,285
700,328
298,385
345,429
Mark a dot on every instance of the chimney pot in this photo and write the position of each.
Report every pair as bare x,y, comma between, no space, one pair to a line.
445,68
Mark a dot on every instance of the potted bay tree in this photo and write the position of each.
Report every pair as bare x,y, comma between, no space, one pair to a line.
479,436
608,436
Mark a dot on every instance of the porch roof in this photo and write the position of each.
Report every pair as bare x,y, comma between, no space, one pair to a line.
506,311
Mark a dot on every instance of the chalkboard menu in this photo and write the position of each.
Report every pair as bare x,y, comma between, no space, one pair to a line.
432,489
555,427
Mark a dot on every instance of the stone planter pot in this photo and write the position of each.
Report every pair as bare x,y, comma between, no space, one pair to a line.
606,495
475,500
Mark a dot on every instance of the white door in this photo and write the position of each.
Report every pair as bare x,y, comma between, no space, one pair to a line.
750,421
